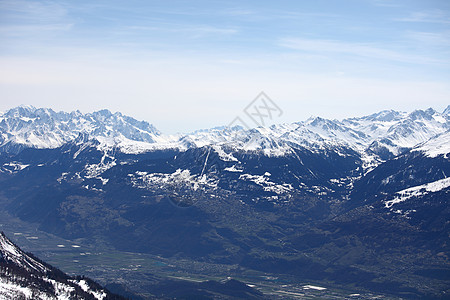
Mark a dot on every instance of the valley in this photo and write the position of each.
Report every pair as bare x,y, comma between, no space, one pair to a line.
320,209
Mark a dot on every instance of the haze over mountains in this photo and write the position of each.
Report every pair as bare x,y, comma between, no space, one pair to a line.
360,203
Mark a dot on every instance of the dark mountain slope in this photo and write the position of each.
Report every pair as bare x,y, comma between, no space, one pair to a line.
23,276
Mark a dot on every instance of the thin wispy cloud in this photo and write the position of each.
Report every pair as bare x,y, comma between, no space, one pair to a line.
239,12
434,16
105,51
20,30
436,39
333,47
197,31
385,3
32,20
32,11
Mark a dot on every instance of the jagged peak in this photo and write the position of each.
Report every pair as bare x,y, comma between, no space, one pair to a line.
27,107
53,130
102,112
45,128
384,115
422,114
430,111
315,120
21,110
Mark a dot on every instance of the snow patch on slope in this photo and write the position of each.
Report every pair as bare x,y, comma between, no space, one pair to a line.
100,295
266,184
10,290
180,177
417,191
439,145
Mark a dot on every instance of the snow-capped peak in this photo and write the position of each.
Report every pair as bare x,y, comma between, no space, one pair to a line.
383,134
382,116
422,114
27,126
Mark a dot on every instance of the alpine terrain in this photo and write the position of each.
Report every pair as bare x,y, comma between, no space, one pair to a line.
320,208
23,276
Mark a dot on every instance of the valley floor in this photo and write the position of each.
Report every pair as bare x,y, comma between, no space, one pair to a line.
137,271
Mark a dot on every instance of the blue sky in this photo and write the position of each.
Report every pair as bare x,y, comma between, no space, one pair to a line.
185,65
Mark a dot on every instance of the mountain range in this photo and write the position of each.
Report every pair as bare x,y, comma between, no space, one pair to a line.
380,135
360,203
